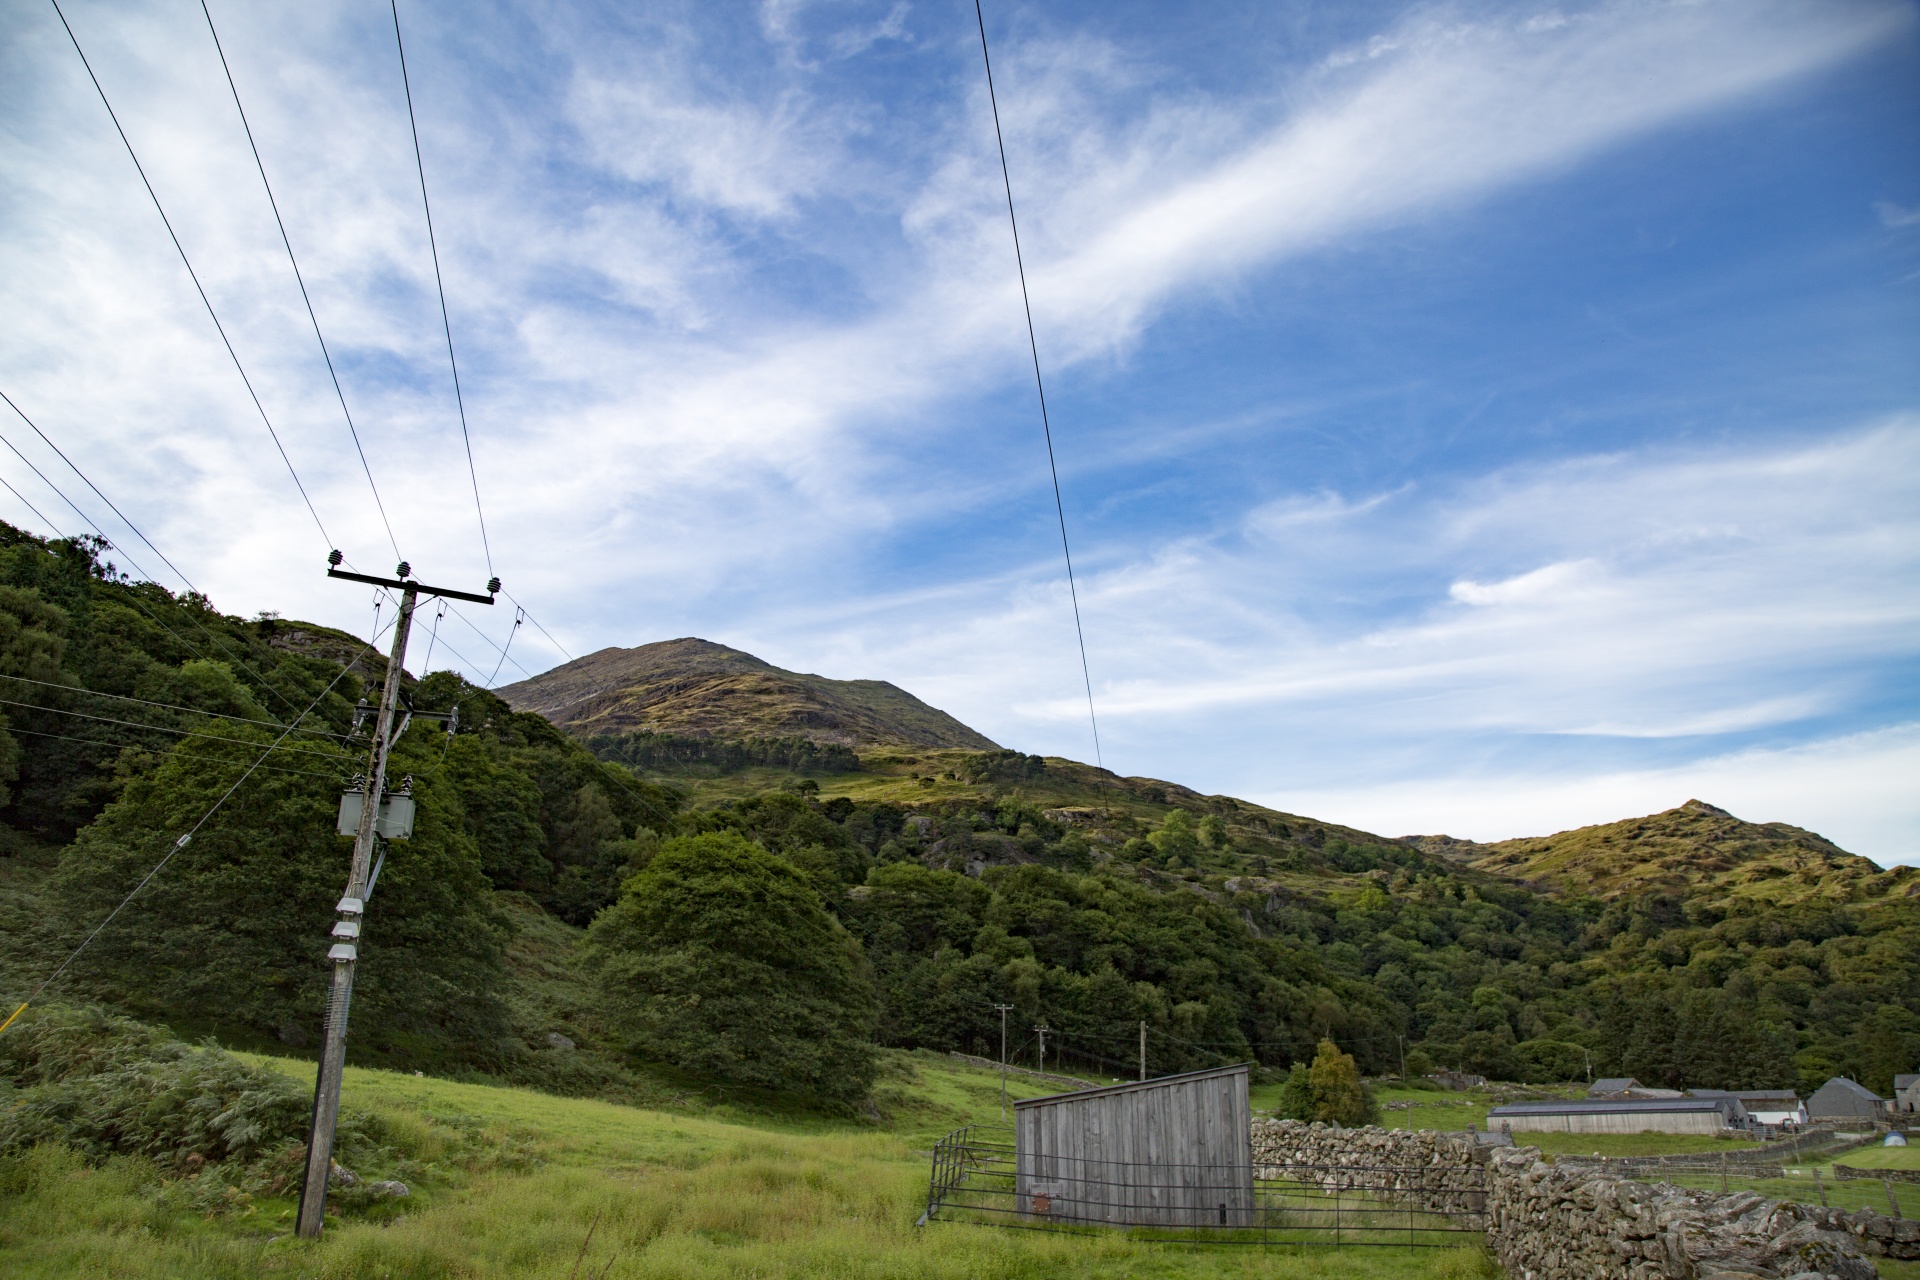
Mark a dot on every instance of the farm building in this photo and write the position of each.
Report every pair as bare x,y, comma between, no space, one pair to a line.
1767,1106
1842,1099
1173,1152
1906,1092
1622,1115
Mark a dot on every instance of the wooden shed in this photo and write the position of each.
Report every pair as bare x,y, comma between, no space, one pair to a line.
1172,1152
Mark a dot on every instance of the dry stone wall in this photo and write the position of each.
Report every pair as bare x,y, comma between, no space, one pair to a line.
1437,1172
1574,1222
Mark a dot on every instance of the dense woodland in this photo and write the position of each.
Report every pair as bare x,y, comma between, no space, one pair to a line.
129,711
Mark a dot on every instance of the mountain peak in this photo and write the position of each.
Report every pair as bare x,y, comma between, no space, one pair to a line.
702,689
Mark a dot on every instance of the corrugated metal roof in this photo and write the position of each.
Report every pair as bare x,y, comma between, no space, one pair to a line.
1137,1085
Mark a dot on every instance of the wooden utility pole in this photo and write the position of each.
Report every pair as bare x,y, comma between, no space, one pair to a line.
1143,1051
1043,1028
345,952
1003,1058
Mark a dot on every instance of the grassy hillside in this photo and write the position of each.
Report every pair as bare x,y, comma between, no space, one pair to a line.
702,689
1696,851
508,1182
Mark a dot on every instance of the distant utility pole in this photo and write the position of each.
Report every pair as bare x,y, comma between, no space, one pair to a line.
1043,1028
1403,1060
353,904
1143,1051
1003,1058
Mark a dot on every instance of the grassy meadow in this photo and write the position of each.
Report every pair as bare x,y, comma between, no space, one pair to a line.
511,1182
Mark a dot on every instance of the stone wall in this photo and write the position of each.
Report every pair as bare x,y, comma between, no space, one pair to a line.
1550,1223
1574,1222
1437,1172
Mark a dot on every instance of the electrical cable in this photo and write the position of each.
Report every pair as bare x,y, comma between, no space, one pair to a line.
494,679
446,324
543,631
107,742
1046,426
29,506
426,664
494,644
278,221
192,274
170,706
183,841
61,494
155,728
96,491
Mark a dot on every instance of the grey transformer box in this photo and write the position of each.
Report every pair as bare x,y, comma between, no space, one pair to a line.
393,822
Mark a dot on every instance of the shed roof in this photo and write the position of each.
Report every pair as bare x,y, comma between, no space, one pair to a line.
1904,1081
1608,1106
1158,1082
1840,1084
1612,1084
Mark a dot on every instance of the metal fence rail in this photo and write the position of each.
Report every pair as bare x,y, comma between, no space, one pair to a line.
975,1179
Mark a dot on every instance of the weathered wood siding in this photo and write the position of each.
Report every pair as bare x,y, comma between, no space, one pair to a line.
1708,1122
1171,1152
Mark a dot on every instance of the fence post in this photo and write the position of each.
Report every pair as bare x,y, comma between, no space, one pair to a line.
1820,1186
1893,1206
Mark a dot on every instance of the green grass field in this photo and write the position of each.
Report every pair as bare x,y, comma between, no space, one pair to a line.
510,1182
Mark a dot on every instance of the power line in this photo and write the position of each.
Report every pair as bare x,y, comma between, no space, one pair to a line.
61,494
543,631
494,679
183,841
169,706
440,284
259,164
1033,344
108,742
29,506
156,728
71,466
192,274
519,615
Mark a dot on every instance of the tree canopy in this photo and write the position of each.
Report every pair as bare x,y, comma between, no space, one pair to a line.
719,958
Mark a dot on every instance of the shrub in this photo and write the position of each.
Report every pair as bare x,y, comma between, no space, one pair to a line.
106,1085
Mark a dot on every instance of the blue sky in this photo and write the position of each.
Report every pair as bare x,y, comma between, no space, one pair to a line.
1471,418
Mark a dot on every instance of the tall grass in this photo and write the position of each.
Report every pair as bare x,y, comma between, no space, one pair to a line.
527,1184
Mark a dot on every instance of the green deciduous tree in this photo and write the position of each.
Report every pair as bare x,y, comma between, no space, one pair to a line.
1329,1090
719,958
232,933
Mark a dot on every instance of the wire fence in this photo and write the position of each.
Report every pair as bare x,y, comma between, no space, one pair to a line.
979,1178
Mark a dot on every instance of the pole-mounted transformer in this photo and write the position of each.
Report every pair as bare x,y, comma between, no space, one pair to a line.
368,814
